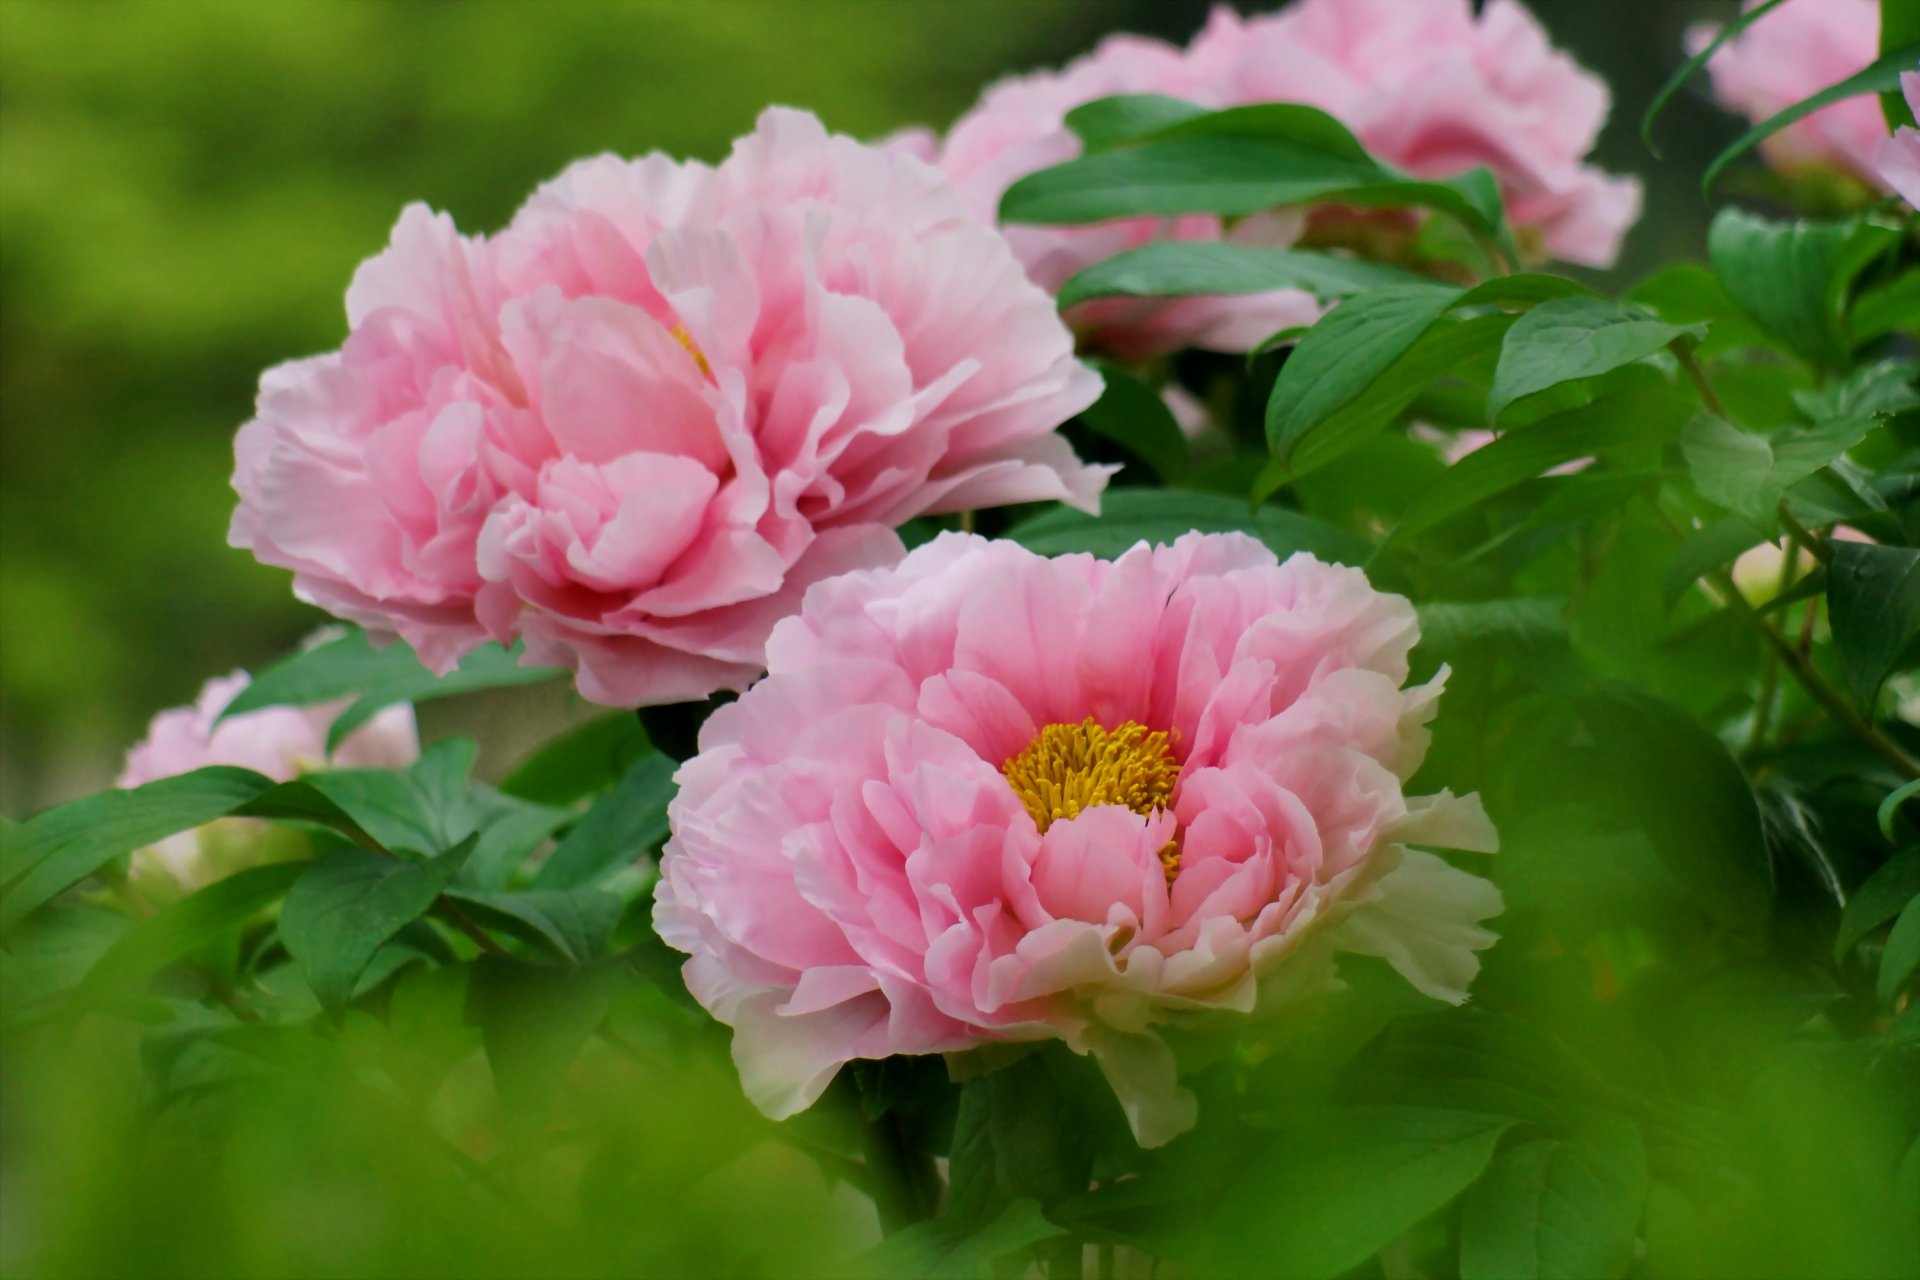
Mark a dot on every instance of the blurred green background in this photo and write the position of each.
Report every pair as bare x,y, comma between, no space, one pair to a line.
187,185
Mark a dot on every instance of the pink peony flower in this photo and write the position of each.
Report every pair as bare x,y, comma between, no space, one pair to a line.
280,742
631,428
1898,158
988,796
1433,90
1790,54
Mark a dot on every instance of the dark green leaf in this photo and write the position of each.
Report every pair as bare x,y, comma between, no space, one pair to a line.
1566,338
63,846
1902,955
348,903
1133,416
184,927
1873,598
1130,516
1883,896
574,923
1511,627
1180,268
1891,805
1627,417
1880,76
588,759
533,1020
1327,1198
1747,473
1705,550
1793,277
300,801
1557,1208
624,825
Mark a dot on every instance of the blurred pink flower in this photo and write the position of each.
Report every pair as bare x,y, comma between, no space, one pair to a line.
1427,88
989,796
632,428
1790,54
280,742
1898,158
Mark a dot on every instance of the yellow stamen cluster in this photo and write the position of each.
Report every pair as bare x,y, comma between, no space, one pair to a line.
1071,767
685,339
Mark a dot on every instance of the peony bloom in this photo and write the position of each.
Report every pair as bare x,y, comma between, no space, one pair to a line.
1898,158
1435,91
1790,54
631,428
987,796
280,742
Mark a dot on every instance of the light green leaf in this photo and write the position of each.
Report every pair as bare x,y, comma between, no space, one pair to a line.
1558,1208
1873,598
61,847
1132,415
1129,516
1181,268
1747,473
1566,338
1793,277
348,903
1106,122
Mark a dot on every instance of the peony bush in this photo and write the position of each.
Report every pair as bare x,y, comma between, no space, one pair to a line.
1050,621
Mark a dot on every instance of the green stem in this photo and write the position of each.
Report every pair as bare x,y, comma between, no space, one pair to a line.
1683,352
903,1181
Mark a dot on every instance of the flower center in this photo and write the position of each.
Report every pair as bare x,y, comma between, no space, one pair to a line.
1071,767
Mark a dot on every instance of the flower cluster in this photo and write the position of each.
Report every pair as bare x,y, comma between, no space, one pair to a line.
280,742
633,427
1430,88
987,796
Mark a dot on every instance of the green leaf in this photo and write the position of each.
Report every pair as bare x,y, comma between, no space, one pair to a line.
1883,896
350,902
1692,66
623,825
1891,805
1132,415
1106,122
350,665
1899,27
1521,625
1130,516
1235,162
1659,769
1880,76
534,1019
1330,1196
1182,268
1687,293
1342,356
1873,598
1705,550
1557,1208
61,847
1626,417
185,927
1793,277
938,1251
1902,955
1566,338
1748,473
1885,308
574,923
1883,387
581,762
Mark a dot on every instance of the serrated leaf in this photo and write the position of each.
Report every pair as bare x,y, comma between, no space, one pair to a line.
63,846
348,903
1882,896
1130,516
623,825
1748,473
1182,268
1562,339
1557,1208
1873,599
1132,415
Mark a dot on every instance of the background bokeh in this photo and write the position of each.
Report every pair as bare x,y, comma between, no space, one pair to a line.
186,186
